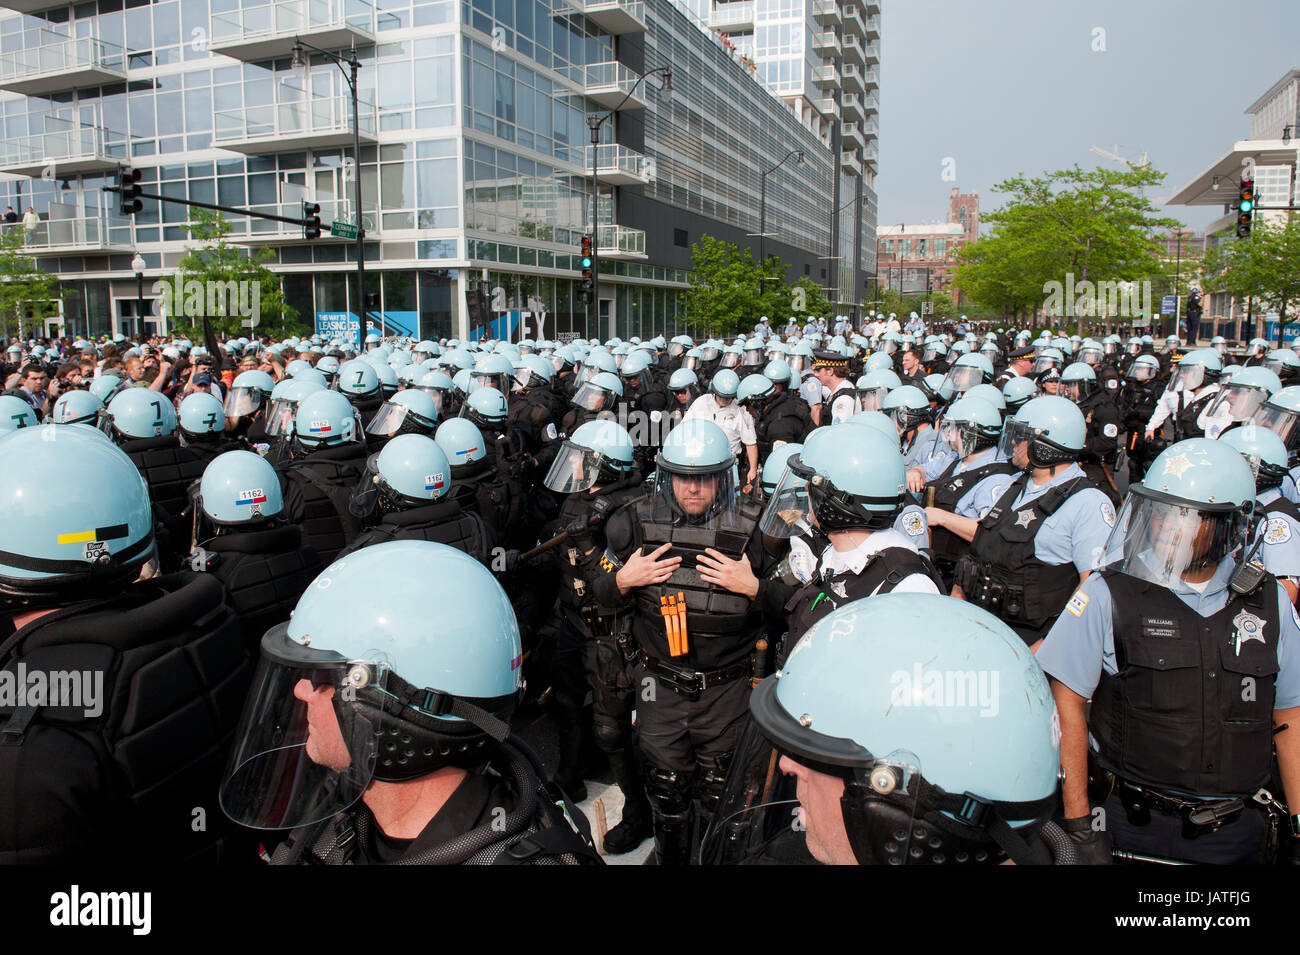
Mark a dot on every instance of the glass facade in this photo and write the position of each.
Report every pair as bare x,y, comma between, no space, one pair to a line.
474,164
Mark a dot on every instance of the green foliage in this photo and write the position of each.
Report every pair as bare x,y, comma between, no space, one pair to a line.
26,293
730,292
1265,267
1097,226
220,263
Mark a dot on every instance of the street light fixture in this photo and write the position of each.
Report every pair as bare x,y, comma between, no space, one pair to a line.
762,201
138,266
348,65
594,122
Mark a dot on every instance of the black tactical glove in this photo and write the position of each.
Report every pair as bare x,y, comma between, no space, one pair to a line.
1094,845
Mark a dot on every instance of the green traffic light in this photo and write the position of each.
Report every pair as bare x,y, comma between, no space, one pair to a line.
1246,205
586,261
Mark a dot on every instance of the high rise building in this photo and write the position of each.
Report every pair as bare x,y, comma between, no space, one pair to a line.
475,158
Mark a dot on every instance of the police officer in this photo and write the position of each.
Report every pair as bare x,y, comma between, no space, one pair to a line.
1188,659
1191,389
410,411
160,661
838,397
476,483
379,732
853,758
848,482
973,481
782,416
1047,530
1239,399
721,407
910,409
693,539
242,539
1276,519
327,460
1020,363
1137,402
595,472
1101,447
245,407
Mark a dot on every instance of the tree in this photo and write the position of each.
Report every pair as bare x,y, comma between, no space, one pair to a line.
234,290
1070,228
27,294
1265,267
730,292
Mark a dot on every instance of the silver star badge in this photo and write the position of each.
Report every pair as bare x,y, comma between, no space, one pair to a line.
1025,518
1177,464
839,590
959,482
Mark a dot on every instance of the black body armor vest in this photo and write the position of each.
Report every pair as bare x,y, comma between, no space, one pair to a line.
885,570
265,572
317,494
949,489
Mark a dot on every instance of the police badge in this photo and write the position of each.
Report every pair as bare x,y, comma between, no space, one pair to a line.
1249,627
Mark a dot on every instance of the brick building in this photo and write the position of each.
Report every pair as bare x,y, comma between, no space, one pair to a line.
915,259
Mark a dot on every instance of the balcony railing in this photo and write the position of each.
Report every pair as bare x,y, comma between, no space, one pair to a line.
826,42
825,76
826,11
871,52
849,162
613,16
609,82
319,122
853,21
63,152
618,165
851,133
827,106
61,63
620,242
871,152
732,15
270,30
97,233
872,27
871,103
871,77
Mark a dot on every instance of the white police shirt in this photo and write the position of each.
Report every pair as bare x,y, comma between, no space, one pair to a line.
732,419
1081,644
853,561
1077,532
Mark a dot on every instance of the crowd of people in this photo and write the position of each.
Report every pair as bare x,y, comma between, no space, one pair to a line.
820,594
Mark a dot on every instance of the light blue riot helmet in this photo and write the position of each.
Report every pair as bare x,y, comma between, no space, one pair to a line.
535,371
240,487
597,453
598,393
1281,415
908,406
329,367
372,341
968,371
1263,450
754,389
283,407
408,375
248,393
733,356
725,384
775,465
462,442
934,349
438,386
635,373
1161,533
325,419
1049,357
1197,368
1257,348
1144,368
874,387
296,367
387,379
492,371
778,372
1225,376
936,387
1239,399
74,407
847,478
1283,362
682,379
407,412
1220,344
929,778
486,407
695,477
399,360
409,471
877,361
106,386
598,362
1078,381
411,691
970,425
878,420
1017,391
16,413
458,359
460,382
142,413
1053,429
989,393
75,519
1091,353
358,380
200,417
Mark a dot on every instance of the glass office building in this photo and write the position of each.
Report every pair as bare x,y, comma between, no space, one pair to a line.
475,160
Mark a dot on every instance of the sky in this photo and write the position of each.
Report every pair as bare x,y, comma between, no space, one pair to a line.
990,89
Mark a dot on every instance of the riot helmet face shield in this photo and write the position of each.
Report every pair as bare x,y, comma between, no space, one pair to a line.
872,399
437,394
280,417
591,397
1171,542
961,436
574,469
962,378
1186,378
242,401
1139,371
1233,404
308,740
804,500
365,497
1281,422
703,498
731,359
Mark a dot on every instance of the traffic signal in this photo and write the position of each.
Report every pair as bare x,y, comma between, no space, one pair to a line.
128,191
587,290
1245,207
311,213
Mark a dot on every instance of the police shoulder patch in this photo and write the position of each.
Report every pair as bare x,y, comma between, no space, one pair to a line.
1278,532
913,525
1110,431
1108,513
1078,603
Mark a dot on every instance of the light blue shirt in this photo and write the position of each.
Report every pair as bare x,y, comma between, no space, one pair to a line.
1084,635
1289,489
1077,532
913,523
928,452
979,499
1280,551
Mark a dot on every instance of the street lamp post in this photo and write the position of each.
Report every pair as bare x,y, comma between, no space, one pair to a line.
594,122
299,63
762,201
138,265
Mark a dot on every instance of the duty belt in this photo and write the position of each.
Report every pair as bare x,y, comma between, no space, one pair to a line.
691,683
1199,816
